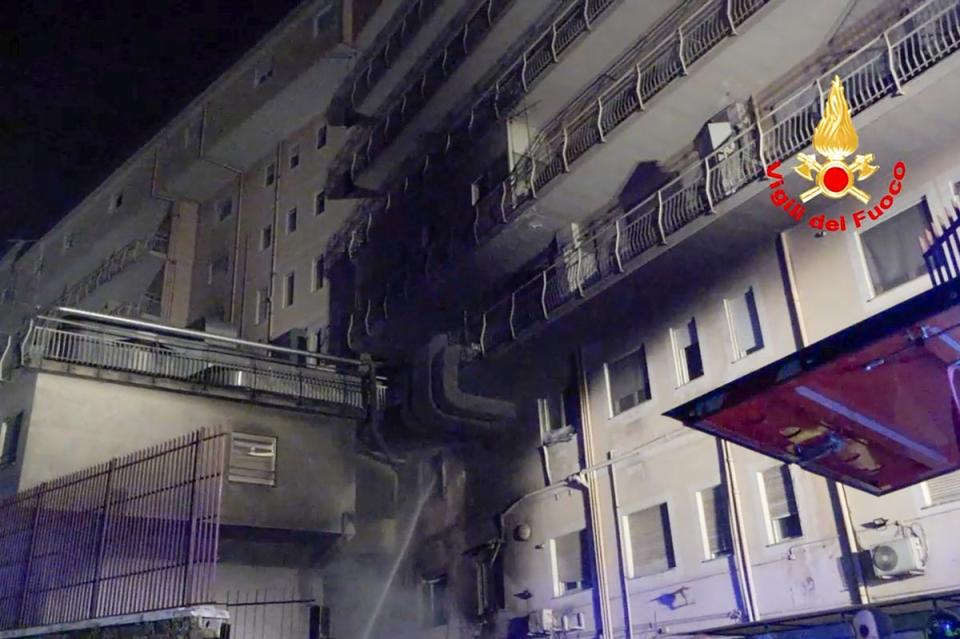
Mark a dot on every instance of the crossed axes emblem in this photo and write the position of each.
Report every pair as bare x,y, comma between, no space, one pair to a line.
835,179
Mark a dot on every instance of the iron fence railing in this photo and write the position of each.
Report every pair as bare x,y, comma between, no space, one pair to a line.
912,44
134,534
941,249
256,370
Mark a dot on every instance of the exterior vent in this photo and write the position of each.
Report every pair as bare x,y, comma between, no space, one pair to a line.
899,557
573,621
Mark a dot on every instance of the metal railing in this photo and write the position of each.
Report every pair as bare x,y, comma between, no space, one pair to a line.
476,25
210,362
941,249
900,53
7,357
388,49
134,534
113,265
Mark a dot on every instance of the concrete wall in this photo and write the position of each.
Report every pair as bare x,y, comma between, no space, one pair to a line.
76,423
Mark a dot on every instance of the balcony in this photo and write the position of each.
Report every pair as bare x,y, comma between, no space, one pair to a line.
115,348
898,60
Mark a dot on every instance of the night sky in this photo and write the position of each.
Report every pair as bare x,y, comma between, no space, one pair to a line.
84,83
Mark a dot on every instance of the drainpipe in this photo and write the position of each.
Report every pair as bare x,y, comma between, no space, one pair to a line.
849,544
624,583
590,483
274,241
742,555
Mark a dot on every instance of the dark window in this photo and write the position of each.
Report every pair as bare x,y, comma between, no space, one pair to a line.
318,273
687,343
291,220
320,203
322,137
744,324
288,289
629,381
781,500
294,156
890,248
270,174
266,237
714,516
224,209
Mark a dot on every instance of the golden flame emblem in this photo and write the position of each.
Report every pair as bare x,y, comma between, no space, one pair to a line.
835,138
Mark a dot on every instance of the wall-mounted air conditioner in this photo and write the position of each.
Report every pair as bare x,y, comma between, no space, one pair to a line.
898,557
540,623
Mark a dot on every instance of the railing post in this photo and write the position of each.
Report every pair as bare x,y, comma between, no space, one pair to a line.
192,545
892,63
683,62
533,176
553,42
496,99
730,21
523,72
476,223
563,152
28,564
513,308
350,332
820,97
483,334
503,201
616,246
603,138
756,117
586,14
543,296
639,88
366,317
579,270
101,540
706,184
663,235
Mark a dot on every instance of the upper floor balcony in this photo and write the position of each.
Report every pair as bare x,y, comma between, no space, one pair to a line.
892,85
535,36
121,349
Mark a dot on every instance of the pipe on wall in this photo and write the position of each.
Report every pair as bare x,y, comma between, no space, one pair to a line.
741,555
624,582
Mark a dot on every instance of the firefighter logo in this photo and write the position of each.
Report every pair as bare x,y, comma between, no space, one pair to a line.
835,138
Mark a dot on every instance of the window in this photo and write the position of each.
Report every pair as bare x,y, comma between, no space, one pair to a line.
628,382
294,156
224,209
291,220
714,521
434,604
943,489
266,237
116,201
321,20
270,174
318,274
288,289
253,459
559,412
783,518
686,351
322,136
744,323
10,438
319,202
262,73
490,583
890,248
217,266
649,542
262,307
569,557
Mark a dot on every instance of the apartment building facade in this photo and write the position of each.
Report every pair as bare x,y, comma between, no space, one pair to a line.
571,195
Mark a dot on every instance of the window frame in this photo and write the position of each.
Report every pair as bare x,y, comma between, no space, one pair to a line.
586,580
292,215
753,311
319,276
710,554
774,536
266,237
319,202
320,138
871,286
262,301
224,204
270,174
289,289
680,354
608,378
662,504
293,156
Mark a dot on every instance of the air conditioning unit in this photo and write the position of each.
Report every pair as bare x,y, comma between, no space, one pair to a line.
898,557
573,621
540,623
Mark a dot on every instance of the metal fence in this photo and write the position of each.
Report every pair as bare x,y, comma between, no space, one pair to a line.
905,49
941,250
137,533
256,369
275,613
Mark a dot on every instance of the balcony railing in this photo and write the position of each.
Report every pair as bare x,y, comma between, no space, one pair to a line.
200,360
388,49
903,51
113,265
364,149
